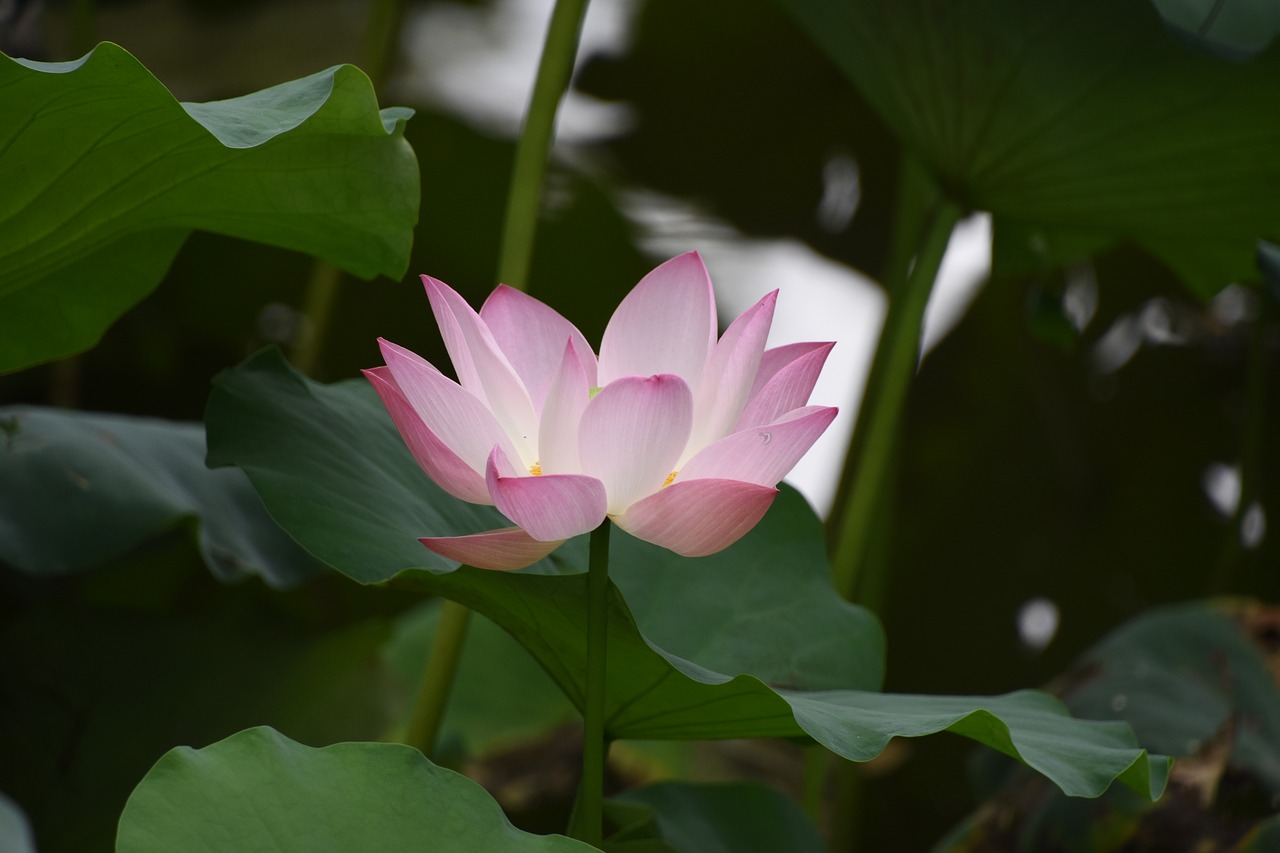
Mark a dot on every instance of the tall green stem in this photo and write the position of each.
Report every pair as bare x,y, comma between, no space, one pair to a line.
554,71
437,678
588,821
382,31
558,53
869,464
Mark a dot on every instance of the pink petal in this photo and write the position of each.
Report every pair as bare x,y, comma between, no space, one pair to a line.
532,336
785,381
482,368
699,517
761,455
461,422
667,324
503,549
632,434
442,465
549,506
732,368
558,428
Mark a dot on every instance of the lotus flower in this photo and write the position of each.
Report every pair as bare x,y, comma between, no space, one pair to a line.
680,439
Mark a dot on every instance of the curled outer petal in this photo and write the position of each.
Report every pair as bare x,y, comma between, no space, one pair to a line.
463,423
550,507
699,517
503,549
449,471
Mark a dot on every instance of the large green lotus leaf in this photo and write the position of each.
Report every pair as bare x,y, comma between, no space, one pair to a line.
258,790
750,642
1074,122
81,489
105,173
738,817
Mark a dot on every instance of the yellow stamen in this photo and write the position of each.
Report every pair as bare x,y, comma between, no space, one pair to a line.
670,479
536,469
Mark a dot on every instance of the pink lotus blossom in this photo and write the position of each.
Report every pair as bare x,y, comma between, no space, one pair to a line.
680,439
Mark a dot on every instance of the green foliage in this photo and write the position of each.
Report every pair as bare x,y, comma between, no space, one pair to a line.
725,818
106,173
1194,681
118,481
258,790
1078,124
493,668
336,475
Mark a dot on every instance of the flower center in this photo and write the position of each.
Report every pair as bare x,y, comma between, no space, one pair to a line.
670,479
536,469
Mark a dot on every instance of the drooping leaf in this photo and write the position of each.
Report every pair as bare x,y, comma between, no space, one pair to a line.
1078,124
738,817
258,790
105,174
1194,680
81,489
750,642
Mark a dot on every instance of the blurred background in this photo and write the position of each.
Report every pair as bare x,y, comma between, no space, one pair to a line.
1070,455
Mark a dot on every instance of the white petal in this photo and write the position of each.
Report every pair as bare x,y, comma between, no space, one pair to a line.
487,374
532,336
550,507
784,383
761,455
731,370
666,324
700,517
561,419
633,433
461,421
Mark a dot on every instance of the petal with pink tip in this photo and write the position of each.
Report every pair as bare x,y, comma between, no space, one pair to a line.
463,423
549,506
488,374
442,465
502,550
699,517
732,368
559,425
666,324
633,432
532,336
761,455
789,374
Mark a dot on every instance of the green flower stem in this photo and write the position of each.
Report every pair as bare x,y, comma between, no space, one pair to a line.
587,823
437,678
382,37
554,72
558,53
317,309
868,467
